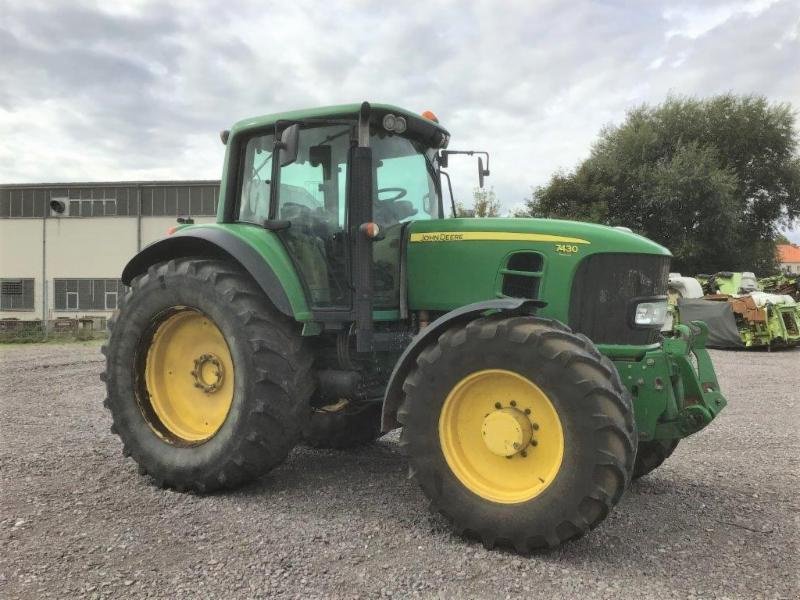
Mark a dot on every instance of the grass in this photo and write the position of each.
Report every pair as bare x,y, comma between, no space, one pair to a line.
52,340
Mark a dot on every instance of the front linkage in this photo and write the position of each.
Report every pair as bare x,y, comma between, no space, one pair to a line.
674,386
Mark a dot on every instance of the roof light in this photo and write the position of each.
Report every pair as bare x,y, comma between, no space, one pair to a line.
389,122
428,114
395,124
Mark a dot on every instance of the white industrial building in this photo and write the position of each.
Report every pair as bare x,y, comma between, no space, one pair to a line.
63,246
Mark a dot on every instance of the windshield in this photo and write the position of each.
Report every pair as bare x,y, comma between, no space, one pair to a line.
406,188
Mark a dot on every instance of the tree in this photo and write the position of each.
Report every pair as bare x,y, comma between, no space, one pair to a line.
484,204
713,180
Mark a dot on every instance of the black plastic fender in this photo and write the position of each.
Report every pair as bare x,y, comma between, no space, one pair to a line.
394,389
215,243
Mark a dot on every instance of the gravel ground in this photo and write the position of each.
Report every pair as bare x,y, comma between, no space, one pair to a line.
718,520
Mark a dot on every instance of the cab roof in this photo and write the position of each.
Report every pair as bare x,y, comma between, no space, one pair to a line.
340,111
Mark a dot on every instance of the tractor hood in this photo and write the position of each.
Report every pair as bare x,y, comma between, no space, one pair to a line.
454,262
544,234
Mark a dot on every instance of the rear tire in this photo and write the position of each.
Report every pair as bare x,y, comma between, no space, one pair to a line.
652,455
350,426
159,392
476,487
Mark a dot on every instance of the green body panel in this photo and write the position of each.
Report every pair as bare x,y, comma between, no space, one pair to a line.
732,284
267,244
729,285
443,275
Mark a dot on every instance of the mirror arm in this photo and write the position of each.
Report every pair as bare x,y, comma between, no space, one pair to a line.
483,171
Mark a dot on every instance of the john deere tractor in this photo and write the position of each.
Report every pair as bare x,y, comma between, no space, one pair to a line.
333,301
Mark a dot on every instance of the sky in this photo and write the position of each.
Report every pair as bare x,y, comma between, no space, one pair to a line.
98,91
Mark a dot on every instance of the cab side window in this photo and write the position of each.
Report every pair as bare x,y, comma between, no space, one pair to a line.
257,171
311,197
311,189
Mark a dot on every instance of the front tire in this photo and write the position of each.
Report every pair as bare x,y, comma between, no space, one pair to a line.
207,383
518,431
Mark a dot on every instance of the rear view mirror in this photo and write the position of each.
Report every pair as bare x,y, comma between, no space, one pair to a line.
481,172
321,156
290,139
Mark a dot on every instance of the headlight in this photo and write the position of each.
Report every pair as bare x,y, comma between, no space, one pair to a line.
652,313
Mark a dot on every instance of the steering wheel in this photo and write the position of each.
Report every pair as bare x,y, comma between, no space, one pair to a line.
300,209
401,192
317,219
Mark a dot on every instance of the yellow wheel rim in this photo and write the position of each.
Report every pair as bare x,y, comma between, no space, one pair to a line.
189,377
501,436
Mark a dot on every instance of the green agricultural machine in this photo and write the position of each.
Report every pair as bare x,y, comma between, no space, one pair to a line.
764,319
333,301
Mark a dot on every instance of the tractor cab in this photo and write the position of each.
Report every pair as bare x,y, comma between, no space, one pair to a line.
339,190
309,206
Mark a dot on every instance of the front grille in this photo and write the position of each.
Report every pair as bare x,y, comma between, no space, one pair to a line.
602,289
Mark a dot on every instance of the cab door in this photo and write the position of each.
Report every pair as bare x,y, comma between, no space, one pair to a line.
311,199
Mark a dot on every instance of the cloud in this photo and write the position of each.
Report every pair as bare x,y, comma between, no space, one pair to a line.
140,89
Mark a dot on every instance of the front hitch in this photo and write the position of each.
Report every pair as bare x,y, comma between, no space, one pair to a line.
697,393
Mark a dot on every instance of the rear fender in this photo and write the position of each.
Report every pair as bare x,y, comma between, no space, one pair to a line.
267,262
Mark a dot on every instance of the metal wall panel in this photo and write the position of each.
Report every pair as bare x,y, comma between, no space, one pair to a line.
169,199
5,203
183,194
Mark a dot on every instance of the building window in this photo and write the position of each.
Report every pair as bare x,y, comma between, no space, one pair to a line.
16,294
86,294
93,208
172,201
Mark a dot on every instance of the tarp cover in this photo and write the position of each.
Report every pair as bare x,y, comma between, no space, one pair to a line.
722,330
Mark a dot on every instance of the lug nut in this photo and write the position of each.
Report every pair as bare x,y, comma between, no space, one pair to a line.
523,454
534,443
535,426
527,411
513,403
498,405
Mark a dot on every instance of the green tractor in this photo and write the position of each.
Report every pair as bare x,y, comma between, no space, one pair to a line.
333,301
